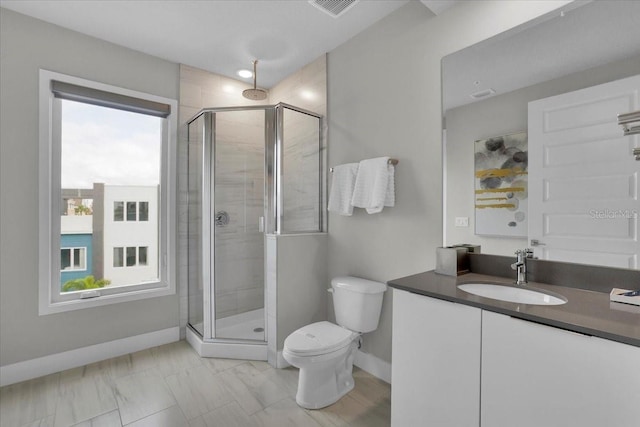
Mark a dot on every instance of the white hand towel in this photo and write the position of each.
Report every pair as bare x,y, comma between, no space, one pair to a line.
344,178
374,187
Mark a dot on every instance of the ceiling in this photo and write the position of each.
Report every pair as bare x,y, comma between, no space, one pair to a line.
224,36
586,36
216,35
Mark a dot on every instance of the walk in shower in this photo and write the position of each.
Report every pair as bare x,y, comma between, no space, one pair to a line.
252,172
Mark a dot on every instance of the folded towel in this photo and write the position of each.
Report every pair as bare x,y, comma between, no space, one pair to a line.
374,187
344,178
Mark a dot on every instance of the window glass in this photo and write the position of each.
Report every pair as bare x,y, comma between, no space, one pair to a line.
131,256
113,157
65,259
131,211
142,255
78,258
118,257
118,211
143,211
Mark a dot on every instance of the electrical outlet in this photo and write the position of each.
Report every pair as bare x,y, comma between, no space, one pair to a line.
462,221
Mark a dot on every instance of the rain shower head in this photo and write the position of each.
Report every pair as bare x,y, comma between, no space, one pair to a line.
255,94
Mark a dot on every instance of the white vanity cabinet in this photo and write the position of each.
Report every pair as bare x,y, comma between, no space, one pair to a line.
535,375
456,365
436,362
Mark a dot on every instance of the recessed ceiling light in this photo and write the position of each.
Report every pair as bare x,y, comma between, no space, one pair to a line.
483,93
245,74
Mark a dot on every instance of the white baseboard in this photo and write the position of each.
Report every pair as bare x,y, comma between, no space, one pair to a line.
373,365
22,371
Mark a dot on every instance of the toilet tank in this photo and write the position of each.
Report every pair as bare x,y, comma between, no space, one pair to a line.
357,302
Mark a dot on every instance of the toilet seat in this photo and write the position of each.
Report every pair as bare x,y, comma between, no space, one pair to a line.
318,338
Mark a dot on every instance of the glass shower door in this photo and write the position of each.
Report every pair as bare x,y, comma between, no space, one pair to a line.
238,209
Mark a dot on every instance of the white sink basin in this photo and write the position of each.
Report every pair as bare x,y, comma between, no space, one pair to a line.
513,294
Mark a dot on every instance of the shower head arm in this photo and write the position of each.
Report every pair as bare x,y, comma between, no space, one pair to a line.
254,73
255,94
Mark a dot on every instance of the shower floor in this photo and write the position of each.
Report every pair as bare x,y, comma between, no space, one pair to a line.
246,326
240,326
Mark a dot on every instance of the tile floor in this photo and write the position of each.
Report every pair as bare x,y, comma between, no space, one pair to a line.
172,386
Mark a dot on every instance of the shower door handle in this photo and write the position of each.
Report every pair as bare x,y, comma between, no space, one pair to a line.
261,224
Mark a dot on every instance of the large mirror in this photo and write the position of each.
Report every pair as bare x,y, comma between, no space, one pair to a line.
501,100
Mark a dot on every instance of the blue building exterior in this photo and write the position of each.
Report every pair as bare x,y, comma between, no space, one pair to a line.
77,241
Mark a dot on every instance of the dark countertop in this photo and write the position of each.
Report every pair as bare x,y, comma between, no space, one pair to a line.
586,312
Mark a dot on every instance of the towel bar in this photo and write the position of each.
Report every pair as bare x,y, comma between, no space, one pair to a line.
627,119
390,161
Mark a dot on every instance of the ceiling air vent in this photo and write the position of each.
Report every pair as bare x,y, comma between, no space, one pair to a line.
334,8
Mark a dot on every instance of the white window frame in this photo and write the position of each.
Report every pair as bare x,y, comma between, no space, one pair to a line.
72,258
51,300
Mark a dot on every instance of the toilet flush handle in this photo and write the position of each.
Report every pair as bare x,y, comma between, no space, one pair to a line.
330,290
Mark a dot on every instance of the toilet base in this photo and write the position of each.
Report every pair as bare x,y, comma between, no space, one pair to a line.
323,404
324,382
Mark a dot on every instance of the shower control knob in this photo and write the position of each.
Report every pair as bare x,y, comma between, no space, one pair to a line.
221,218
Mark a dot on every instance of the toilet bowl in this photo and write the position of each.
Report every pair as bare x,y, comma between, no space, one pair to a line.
324,352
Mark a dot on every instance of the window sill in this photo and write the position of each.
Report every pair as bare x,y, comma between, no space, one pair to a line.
47,307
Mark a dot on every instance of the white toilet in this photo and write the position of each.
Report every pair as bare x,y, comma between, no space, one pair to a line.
324,352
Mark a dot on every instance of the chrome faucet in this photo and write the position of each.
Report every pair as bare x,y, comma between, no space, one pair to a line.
521,265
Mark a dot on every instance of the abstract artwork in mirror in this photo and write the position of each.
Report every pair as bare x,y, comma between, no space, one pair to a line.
501,185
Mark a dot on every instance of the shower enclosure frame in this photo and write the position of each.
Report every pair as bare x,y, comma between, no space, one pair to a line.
208,344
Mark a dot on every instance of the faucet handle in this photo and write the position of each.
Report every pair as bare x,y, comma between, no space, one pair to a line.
527,252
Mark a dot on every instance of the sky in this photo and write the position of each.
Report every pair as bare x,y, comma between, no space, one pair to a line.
110,146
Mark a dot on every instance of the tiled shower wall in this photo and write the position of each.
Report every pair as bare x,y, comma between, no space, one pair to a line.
306,89
240,288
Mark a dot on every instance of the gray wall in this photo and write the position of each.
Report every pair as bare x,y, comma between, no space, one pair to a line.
502,115
26,45
384,99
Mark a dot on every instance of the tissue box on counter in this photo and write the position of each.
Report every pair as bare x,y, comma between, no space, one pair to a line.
625,295
454,260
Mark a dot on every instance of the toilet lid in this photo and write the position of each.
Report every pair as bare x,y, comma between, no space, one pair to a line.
318,338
